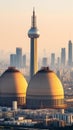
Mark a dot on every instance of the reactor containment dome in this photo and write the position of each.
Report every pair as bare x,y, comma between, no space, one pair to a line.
13,87
45,90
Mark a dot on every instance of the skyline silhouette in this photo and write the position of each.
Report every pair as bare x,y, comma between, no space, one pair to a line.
54,22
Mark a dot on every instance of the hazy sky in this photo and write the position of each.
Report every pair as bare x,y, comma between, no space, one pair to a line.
54,20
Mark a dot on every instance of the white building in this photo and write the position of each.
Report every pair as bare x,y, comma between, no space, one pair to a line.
67,117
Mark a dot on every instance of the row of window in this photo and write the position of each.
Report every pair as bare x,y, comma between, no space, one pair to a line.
7,101
44,103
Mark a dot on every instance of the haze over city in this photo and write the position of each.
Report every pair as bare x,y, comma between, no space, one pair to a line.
36,64
54,20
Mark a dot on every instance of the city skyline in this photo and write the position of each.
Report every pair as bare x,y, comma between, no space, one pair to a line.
54,22
64,59
36,87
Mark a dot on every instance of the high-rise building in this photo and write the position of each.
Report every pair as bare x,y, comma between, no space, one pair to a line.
63,56
44,61
18,60
70,53
58,62
19,57
53,60
24,61
13,60
33,34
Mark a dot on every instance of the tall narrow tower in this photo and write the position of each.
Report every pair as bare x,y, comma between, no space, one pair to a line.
63,56
70,53
33,34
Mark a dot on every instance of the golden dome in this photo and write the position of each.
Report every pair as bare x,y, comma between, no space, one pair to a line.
13,85
45,85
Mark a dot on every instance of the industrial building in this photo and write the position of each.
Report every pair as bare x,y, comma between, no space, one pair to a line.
13,87
45,91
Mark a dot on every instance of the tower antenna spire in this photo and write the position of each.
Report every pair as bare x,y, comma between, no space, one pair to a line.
34,18
33,9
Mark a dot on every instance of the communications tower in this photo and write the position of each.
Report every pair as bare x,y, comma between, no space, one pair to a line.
33,34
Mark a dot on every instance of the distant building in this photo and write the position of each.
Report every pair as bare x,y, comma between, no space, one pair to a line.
67,117
58,62
45,61
53,60
19,57
58,74
70,53
13,60
16,60
24,61
63,56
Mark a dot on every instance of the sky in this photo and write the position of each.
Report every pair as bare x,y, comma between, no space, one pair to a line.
54,21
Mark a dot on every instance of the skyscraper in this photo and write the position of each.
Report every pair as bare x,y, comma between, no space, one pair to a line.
33,34
44,61
19,57
58,62
70,53
13,60
24,61
52,60
63,56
